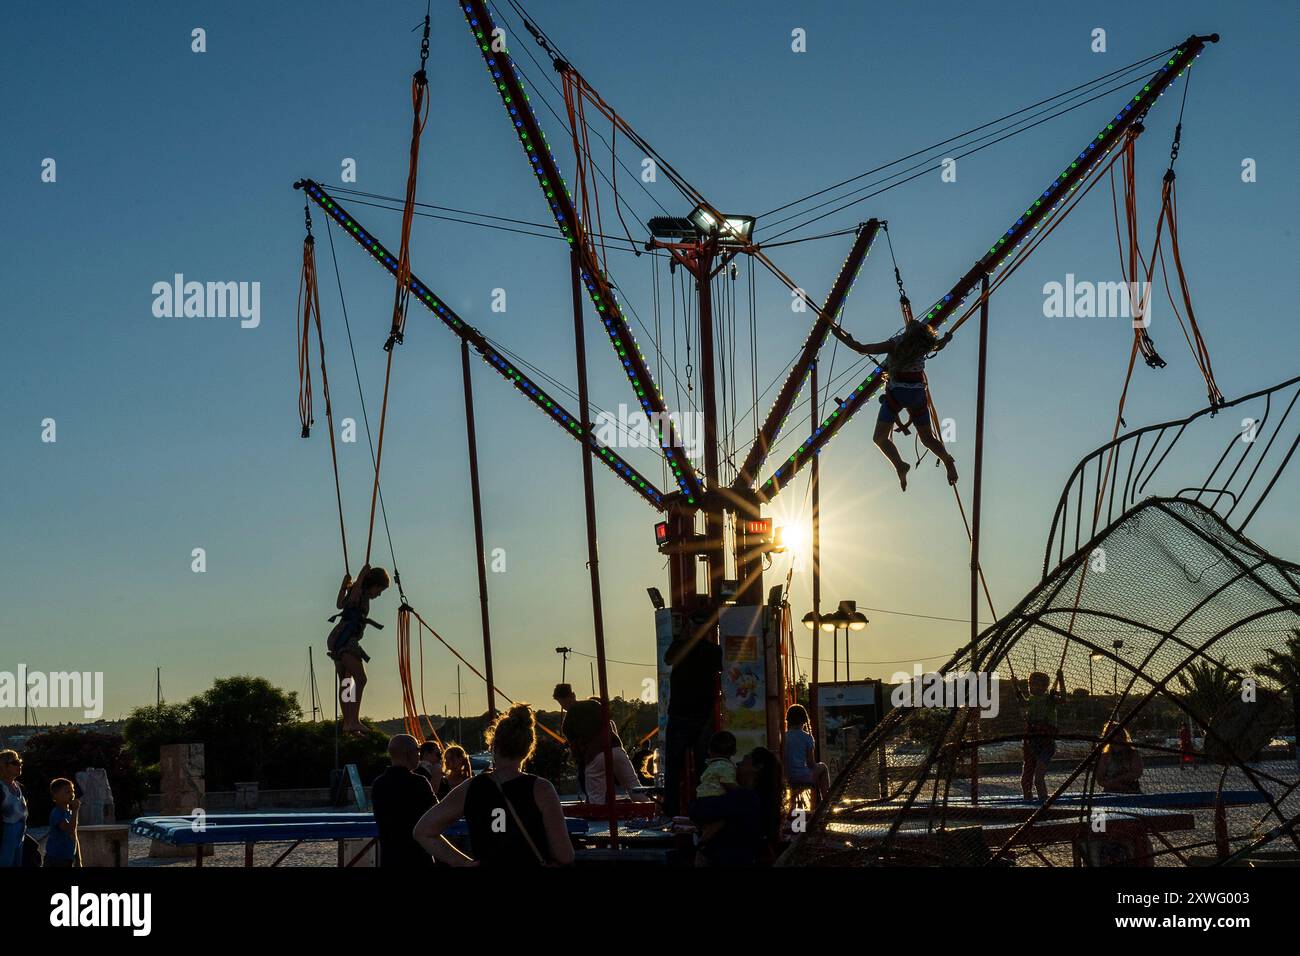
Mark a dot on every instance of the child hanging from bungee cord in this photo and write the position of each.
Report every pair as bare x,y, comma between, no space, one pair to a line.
905,388
344,642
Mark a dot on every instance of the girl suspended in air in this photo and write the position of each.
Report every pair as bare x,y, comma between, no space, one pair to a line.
905,389
344,642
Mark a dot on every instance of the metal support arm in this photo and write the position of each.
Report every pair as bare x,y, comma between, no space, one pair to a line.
510,88
1057,192
498,362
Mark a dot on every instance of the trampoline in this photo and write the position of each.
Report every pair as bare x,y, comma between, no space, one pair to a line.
293,828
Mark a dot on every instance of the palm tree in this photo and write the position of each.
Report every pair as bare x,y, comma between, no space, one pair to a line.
1283,669
1205,686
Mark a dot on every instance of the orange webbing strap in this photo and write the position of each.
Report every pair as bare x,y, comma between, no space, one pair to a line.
1169,214
309,311
1168,211
1134,257
410,715
575,98
1200,352
407,610
420,115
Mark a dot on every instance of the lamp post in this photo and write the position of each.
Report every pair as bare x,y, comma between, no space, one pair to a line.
848,617
704,243
1119,646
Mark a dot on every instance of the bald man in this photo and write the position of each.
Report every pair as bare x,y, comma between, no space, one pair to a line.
400,797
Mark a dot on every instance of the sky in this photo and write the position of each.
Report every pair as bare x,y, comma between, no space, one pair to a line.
181,433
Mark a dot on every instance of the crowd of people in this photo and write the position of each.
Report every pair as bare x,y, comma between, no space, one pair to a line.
733,805
515,818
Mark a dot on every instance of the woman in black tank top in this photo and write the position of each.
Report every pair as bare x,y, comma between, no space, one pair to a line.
514,818
486,813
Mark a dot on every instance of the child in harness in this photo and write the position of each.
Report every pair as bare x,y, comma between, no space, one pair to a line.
905,389
344,642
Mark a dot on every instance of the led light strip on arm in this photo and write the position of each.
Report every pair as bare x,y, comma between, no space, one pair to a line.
498,362
1039,211
542,161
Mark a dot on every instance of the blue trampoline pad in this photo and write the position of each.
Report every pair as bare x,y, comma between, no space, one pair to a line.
215,828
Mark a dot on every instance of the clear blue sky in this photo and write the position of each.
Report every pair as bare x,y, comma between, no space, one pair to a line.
182,433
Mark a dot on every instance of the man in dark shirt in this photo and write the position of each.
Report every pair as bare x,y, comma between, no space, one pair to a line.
692,698
400,798
581,728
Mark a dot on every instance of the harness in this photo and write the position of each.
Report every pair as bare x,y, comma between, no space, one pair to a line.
356,622
354,615
892,402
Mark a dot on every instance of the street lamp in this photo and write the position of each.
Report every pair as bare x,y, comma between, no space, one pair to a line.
564,653
704,224
730,230
846,616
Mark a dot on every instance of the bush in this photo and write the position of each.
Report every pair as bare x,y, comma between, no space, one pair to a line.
61,753
303,755
238,721
148,728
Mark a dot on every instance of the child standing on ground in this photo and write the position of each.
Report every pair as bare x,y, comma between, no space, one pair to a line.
61,848
1040,732
803,770
344,642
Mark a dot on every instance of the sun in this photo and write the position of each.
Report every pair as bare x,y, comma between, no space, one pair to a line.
796,535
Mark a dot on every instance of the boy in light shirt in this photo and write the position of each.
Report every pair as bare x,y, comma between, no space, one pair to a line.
719,775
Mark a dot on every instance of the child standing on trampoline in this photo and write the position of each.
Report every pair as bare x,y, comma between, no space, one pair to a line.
905,389
1040,732
344,642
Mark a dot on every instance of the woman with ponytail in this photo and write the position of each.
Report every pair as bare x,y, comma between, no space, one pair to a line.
514,818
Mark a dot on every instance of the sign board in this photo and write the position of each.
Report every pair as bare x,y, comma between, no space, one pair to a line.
744,682
358,791
846,713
